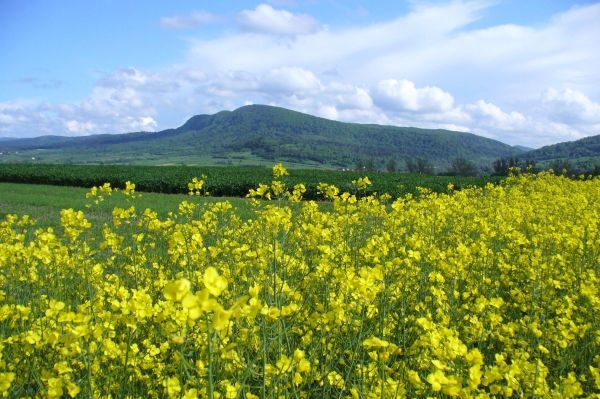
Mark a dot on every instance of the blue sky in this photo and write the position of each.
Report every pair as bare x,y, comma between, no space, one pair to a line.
522,72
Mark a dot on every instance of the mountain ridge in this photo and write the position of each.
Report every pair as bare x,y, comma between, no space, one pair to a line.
582,148
272,133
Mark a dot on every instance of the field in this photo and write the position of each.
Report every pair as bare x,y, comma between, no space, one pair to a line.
482,292
173,158
226,181
44,203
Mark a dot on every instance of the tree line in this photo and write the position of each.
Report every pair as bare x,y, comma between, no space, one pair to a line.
461,166
458,167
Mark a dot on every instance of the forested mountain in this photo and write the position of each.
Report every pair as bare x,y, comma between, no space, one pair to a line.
277,134
582,148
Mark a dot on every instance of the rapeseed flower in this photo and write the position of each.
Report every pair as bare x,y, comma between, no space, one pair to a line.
474,294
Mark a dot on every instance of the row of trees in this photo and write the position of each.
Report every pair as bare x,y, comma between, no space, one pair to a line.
464,167
503,167
565,166
458,167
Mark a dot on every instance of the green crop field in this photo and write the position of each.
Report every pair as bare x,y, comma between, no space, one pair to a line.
227,181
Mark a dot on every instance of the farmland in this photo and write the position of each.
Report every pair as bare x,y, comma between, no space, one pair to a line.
44,203
482,292
226,181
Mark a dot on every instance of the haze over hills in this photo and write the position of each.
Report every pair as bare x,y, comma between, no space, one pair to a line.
255,134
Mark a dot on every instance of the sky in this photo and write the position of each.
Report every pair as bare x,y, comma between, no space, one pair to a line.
521,72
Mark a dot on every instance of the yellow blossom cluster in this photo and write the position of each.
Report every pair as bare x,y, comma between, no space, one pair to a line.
479,293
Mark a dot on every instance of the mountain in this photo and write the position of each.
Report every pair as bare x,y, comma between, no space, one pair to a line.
582,148
261,133
522,147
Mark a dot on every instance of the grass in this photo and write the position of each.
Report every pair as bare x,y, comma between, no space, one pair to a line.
44,203
243,158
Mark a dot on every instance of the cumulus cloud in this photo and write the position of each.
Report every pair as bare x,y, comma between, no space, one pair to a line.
402,95
426,68
187,21
491,115
291,81
265,19
138,79
231,84
191,75
570,106
350,97
126,100
106,110
129,100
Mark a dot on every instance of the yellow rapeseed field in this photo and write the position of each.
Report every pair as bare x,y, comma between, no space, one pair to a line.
479,293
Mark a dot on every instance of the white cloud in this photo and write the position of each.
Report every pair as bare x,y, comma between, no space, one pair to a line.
186,21
291,81
231,84
427,68
191,75
128,99
490,115
143,80
358,51
350,97
570,106
80,128
265,19
404,96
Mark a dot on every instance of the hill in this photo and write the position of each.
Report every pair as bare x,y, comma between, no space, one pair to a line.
522,147
257,134
582,148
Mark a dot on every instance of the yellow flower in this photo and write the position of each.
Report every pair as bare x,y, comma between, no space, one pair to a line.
414,379
437,379
362,183
191,394
284,364
129,189
55,387
299,355
297,378
177,339
335,379
220,318
177,290
54,308
214,283
73,389
231,391
62,368
375,342
173,387
303,366
279,170
6,380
